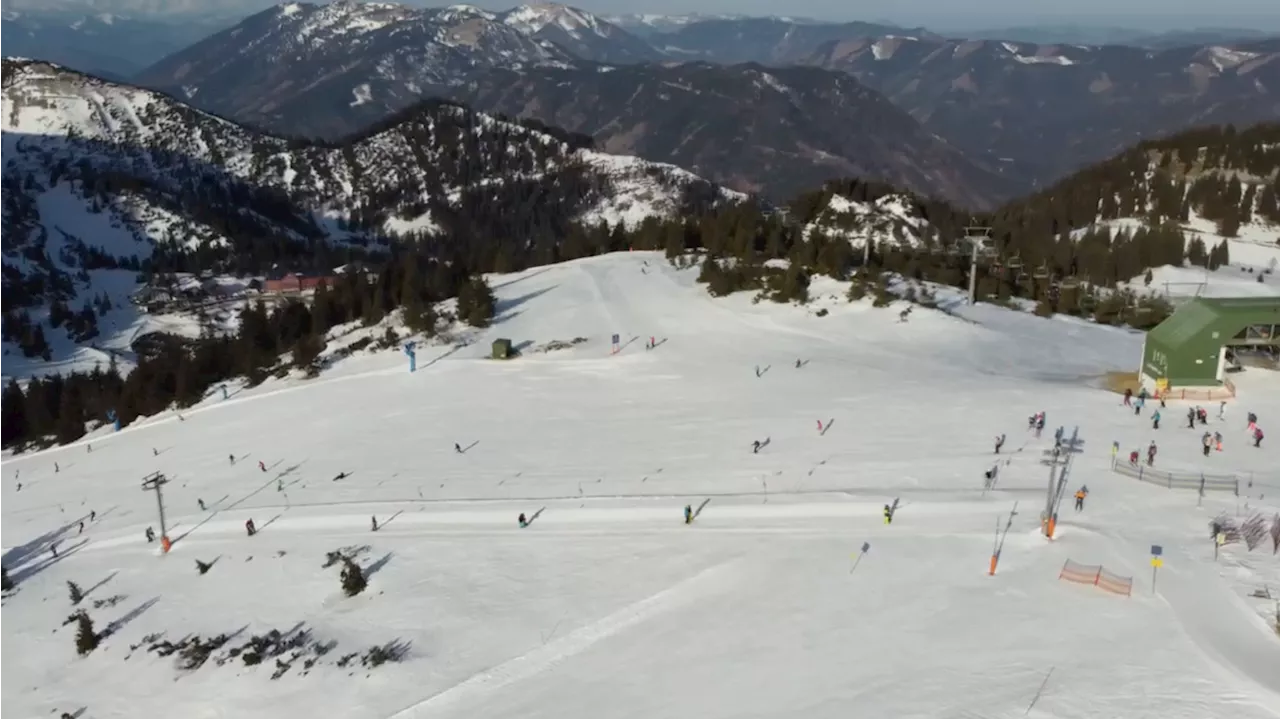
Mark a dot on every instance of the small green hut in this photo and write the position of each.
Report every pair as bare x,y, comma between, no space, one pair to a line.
502,349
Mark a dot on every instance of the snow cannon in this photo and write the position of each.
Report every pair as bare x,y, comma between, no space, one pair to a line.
409,349
113,419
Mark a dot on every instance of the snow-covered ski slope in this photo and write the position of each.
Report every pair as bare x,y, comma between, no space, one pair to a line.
608,605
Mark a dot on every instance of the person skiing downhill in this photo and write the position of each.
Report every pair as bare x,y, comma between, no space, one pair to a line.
373,522
1257,436
249,527
1207,441
1217,440
999,443
262,466
1222,411
1151,454
200,503
1155,420
457,448
888,514
1191,418
150,534
688,513
1080,495
524,522
755,447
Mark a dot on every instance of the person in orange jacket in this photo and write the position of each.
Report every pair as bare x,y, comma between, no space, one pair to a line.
1080,495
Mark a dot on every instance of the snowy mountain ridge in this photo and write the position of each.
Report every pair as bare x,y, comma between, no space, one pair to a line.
103,180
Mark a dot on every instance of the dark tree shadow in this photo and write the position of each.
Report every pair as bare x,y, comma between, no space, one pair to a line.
376,566
503,308
99,585
133,614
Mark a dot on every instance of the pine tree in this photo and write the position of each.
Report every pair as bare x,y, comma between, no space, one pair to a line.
353,580
76,594
6,584
476,303
86,638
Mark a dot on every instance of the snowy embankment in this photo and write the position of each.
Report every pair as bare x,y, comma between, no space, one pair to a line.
608,605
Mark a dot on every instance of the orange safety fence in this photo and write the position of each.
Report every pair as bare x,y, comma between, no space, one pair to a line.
1226,391
1097,576
1115,583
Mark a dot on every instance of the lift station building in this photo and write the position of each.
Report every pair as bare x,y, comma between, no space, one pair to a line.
1189,349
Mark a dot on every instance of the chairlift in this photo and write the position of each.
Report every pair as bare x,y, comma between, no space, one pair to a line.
1014,262
1070,283
1042,272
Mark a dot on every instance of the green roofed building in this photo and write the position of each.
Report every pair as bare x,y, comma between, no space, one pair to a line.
502,349
1189,349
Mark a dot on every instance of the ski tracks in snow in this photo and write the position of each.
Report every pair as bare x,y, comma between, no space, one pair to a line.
714,579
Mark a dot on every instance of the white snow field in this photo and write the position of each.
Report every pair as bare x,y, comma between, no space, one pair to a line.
608,605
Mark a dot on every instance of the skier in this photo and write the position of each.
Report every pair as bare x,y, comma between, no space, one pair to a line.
231,458
262,466
1080,495
755,447
341,475
1191,419
1151,455
1202,415
1207,441
1222,411
457,448
89,448
93,514
797,364
248,527
56,468
1155,420
279,485
1257,436
200,502
888,514
999,443
688,513
373,521
53,549
524,522
1039,425
1128,397
19,486
652,342
819,426
1115,449
81,528
150,534
1217,440
155,452
1133,458
1253,420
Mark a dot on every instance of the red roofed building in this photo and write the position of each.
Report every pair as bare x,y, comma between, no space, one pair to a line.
292,283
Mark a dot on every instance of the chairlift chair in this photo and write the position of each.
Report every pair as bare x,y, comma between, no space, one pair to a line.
1014,262
1070,283
1042,272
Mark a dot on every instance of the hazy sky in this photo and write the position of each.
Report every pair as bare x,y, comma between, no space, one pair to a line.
1143,14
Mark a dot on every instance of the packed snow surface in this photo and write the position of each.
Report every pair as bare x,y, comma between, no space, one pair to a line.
609,605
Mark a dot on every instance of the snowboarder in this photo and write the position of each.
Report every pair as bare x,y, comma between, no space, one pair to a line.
999,443
1155,420
150,534
524,522
373,522
888,514
1080,495
200,503
1257,436
688,513
1128,397
248,527
457,448
755,447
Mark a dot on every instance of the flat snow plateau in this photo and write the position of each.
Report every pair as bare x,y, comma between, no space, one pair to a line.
608,605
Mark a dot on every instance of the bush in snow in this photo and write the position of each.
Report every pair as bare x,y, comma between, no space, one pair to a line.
76,594
86,638
1275,534
476,305
353,581
6,584
1253,530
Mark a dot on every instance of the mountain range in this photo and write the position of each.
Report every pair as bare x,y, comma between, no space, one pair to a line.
100,177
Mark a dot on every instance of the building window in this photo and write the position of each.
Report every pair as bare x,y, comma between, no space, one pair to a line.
1262,333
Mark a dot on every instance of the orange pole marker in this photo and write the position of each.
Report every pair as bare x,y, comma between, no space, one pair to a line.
165,544
992,571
